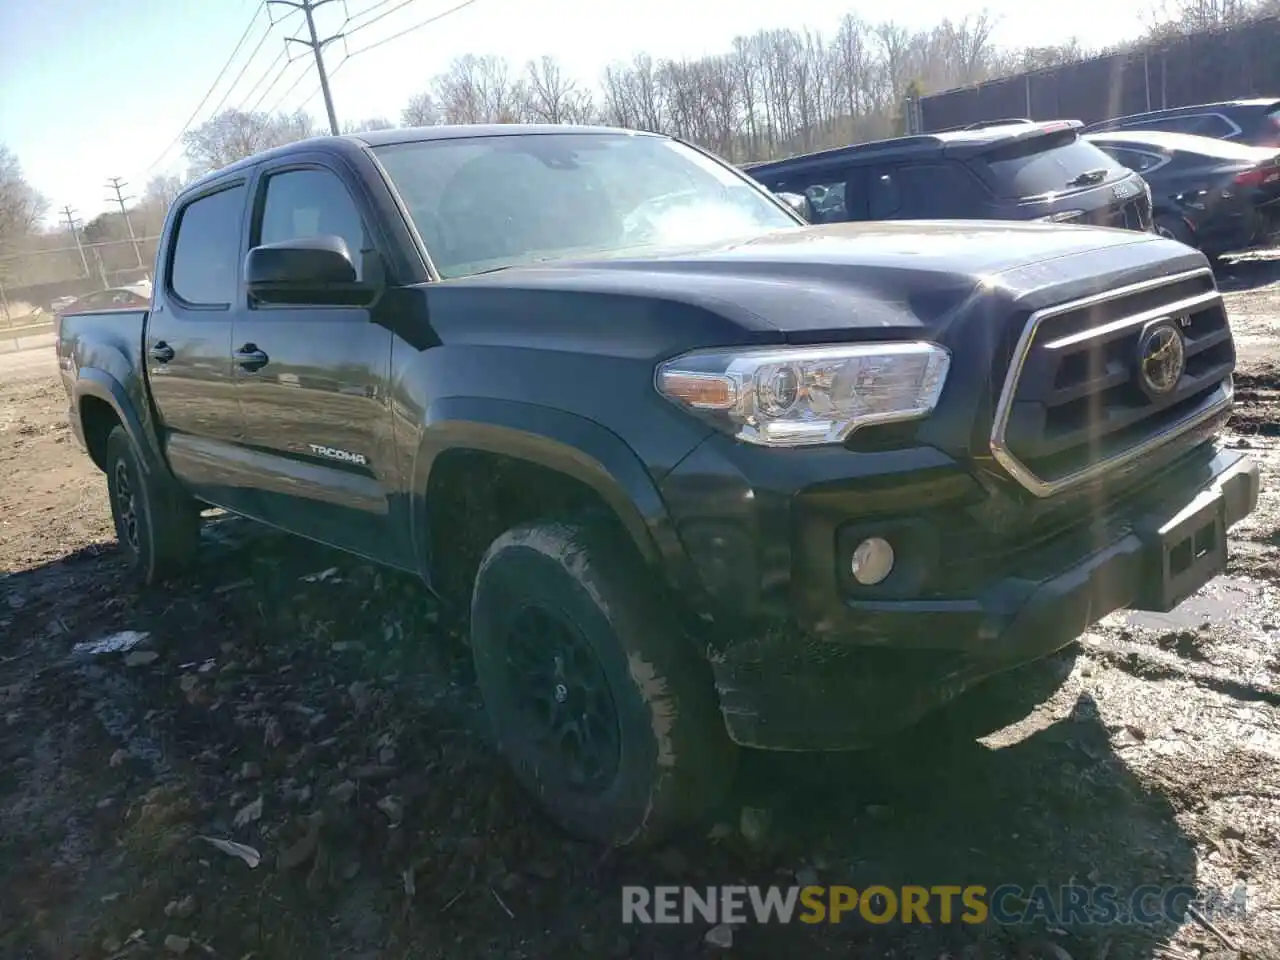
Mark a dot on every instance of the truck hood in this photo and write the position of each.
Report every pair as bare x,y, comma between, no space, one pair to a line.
845,281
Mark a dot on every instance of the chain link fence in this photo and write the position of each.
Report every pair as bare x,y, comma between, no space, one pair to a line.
36,283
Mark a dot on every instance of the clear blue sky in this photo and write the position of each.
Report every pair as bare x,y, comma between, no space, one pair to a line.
91,89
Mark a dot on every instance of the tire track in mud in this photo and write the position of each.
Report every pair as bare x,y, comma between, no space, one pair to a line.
1148,663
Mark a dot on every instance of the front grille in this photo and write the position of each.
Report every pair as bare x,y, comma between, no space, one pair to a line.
1073,404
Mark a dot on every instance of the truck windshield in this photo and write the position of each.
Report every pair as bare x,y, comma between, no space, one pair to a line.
484,203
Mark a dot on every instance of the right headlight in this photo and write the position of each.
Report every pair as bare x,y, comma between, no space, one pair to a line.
804,396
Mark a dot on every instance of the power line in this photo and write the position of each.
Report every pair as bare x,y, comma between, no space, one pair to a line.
370,23
418,26
294,86
213,86
244,69
284,68
368,10
314,93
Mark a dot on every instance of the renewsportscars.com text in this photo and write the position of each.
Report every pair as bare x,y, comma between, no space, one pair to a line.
1007,904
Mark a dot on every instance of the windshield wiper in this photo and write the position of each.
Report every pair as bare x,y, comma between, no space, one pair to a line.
1089,176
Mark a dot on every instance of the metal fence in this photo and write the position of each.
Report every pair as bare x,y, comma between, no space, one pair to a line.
1222,65
34,281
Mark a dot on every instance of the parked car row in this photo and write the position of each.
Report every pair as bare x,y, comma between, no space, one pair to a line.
1208,176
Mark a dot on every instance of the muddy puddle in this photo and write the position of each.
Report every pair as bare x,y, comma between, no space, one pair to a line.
1219,604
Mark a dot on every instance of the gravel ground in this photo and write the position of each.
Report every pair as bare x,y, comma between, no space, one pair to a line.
314,709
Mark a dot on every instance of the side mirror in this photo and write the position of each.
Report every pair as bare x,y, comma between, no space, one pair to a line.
306,270
799,203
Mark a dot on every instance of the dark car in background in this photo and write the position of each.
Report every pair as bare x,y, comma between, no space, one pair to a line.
1216,195
133,297
1254,122
1014,171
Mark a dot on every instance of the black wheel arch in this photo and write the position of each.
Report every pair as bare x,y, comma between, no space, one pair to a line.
97,392
600,466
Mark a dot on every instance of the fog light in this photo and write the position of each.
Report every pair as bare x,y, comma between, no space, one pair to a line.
872,561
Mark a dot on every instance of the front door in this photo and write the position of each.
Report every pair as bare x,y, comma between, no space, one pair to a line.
187,349
312,383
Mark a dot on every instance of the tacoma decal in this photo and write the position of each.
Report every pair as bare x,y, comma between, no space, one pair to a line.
333,453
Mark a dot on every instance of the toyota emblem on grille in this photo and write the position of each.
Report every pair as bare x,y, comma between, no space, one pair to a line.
1162,357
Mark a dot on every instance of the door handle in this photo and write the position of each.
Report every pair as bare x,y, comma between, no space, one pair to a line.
251,358
161,352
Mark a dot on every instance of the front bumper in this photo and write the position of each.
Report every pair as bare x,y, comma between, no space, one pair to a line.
880,664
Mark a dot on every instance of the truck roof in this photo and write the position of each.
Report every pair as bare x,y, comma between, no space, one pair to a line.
378,138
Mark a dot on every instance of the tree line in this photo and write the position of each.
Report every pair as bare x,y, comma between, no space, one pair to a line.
772,93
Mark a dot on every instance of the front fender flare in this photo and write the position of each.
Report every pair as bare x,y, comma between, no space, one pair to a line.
560,441
101,385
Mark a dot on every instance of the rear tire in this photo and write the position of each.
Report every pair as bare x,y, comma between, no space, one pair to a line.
158,527
603,707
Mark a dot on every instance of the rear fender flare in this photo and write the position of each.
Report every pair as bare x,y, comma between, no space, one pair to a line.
560,441
101,385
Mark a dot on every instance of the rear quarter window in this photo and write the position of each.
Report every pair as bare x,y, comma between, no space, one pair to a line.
1045,165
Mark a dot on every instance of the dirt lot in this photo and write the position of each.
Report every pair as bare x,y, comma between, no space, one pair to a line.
314,710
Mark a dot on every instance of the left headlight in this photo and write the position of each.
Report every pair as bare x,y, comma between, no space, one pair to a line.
802,396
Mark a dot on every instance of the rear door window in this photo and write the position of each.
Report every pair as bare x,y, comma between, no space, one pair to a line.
1199,124
1137,160
948,191
834,195
1047,164
884,198
1210,125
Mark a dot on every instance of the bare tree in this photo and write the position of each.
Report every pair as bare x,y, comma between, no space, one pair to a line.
420,111
21,205
458,91
233,135
162,189
551,97
370,123
478,90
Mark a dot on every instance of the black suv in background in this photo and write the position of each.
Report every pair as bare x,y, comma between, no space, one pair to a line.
1014,171
1253,122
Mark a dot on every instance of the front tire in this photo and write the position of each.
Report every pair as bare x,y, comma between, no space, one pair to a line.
158,528
604,709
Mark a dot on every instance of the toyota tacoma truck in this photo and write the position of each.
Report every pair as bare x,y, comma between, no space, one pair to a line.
699,475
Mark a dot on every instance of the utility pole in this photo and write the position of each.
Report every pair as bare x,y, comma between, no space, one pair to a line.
102,269
75,233
316,45
118,185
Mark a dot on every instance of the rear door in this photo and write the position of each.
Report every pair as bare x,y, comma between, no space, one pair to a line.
313,380
934,190
187,347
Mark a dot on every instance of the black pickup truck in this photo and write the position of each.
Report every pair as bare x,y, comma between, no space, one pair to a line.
702,475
